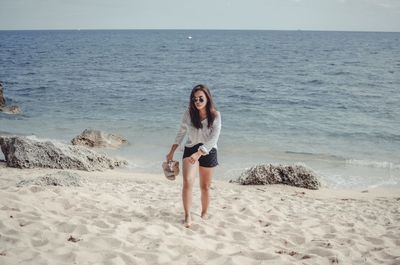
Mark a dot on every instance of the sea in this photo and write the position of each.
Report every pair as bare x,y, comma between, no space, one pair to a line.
329,101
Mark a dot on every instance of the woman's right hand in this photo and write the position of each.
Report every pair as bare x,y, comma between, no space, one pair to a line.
170,156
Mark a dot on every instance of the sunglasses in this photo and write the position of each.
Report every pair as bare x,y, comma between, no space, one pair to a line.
201,99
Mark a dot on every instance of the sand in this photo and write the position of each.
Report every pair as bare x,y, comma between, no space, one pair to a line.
122,217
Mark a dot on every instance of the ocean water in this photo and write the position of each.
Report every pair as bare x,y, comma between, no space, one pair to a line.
327,100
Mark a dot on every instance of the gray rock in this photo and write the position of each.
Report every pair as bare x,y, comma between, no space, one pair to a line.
2,99
11,109
96,138
60,178
21,152
296,175
3,107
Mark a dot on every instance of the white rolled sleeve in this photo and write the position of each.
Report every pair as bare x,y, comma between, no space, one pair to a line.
182,129
212,138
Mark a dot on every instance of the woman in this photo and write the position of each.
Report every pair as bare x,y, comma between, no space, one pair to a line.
202,123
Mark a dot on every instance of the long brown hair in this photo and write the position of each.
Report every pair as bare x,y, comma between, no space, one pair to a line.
211,109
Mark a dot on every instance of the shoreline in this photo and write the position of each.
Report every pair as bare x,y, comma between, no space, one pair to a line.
125,173
122,217
336,172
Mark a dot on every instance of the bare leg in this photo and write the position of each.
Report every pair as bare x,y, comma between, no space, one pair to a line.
206,174
189,172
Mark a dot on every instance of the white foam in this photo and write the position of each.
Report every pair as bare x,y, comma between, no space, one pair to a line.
35,138
387,184
376,164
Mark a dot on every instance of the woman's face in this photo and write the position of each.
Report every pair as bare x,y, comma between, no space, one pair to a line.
200,100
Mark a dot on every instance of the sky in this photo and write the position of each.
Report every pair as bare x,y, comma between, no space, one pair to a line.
340,15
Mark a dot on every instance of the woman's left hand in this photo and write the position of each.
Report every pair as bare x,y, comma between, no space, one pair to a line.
194,158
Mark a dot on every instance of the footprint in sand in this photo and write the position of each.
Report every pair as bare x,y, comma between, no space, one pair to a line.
374,240
257,255
11,232
33,216
101,224
39,242
114,221
10,240
6,208
134,230
65,227
238,236
274,218
323,252
330,236
81,230
232,220
297,239
220,233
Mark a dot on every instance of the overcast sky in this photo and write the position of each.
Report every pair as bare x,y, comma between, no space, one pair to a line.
347,15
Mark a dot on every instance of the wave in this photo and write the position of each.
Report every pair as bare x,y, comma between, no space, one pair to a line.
31,89
12,117
335,181
5,133
316,155
385,184
356,162
339,73
382,136
313,82
44,139
374,164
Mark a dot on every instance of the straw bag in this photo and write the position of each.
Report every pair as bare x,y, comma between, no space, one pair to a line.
171,169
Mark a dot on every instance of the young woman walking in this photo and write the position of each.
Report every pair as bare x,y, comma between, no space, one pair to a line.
202,124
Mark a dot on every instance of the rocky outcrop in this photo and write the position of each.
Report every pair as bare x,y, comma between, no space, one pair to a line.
3,107
96,138
296,175
2,99
21,152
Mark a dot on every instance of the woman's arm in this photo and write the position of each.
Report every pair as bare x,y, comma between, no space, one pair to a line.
170,155
213,138
182,129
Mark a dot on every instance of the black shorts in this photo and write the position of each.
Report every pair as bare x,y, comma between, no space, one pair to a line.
209,160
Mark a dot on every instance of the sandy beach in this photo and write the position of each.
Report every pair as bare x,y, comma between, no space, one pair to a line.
121,217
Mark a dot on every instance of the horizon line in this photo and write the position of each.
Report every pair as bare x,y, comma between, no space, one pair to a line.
196,29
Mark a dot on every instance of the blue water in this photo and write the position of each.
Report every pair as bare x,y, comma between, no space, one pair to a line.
329,100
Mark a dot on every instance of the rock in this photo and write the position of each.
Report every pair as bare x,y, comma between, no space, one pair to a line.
60,178
22,152
296,175
11,110
3,107
96,138
2,99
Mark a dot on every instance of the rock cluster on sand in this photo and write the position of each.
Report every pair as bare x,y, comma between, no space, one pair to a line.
3,107
60,178
296,175
96,138
2,99
21,152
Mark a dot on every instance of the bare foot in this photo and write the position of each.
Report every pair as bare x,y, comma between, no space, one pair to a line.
188,221
205,216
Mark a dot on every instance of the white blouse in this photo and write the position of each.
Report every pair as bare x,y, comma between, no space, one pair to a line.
207,136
